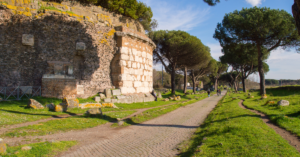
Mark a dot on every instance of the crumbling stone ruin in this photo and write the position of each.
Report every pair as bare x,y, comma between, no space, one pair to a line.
72,50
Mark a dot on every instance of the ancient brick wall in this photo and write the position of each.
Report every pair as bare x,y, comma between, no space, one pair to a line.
86,47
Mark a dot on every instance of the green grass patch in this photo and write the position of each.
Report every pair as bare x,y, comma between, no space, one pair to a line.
65,124
40,149
287,117
232,131
14,112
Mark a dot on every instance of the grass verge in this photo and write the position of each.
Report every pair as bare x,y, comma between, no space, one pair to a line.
14,112
232,131
287,117
40,149
65,124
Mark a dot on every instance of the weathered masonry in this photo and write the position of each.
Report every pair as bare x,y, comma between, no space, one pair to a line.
73,51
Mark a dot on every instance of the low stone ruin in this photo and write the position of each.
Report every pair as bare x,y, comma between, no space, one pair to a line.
115,96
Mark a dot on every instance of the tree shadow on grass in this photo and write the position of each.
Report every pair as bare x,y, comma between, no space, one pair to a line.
38,114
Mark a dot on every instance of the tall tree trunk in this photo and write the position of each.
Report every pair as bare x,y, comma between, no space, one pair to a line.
194,81
216,83
243,80
261,71
173,79
185,80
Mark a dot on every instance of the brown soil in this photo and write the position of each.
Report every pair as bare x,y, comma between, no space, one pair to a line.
291,138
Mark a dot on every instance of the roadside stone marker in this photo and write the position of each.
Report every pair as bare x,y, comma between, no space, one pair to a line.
116,92
108,93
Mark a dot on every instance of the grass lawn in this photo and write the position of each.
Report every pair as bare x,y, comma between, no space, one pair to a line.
287,117
65,124
14,112
39,149
232,131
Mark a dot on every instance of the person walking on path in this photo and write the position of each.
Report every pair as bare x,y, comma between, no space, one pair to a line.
208,92
154,94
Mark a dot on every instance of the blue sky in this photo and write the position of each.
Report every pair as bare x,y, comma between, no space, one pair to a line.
199,19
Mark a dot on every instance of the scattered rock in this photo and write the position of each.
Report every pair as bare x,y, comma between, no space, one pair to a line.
26,148
64,107
34,104
51,106
90,105
102,96
94,112
111,105
58,108
159,95
71,103
108,93
166,99
249,94
2,146
120,123
97,98
283,103
264,96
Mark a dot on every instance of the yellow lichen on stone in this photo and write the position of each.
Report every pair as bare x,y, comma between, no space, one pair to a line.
27,9
19,2
21,8
26,1
11,7
104,18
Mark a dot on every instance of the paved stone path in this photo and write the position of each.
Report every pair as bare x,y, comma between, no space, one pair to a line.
156,137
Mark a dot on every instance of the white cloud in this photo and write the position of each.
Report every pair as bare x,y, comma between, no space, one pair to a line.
254,2
215,51
172,17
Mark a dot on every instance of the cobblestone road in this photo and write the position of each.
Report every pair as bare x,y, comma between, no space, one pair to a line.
157,137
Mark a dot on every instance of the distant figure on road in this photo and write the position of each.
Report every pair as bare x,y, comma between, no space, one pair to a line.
208,92
154,94
219,92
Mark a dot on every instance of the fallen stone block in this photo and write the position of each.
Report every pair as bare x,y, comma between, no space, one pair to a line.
90,105
34,104
116,92
2,146
94,112
97,98
102,96
58,108
71,103
107,100
26,148
109,105
283,103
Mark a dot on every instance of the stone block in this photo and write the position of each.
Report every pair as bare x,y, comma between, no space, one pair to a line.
283,103
102,96
108,93
58,108
136,84
138,99
97,98
124,57
94,112
34,104
28,39
131,58
107,100
149,99
80,46
124,50
116,92
114,100
129,64
80,89
90,105
144,54
133,65
109,105
51,107
26,148
2,146
64,107
71,102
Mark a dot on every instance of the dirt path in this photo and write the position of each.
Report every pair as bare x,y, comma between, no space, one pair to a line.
156,137
291,138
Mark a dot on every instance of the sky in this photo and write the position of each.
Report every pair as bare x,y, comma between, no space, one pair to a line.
199,19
